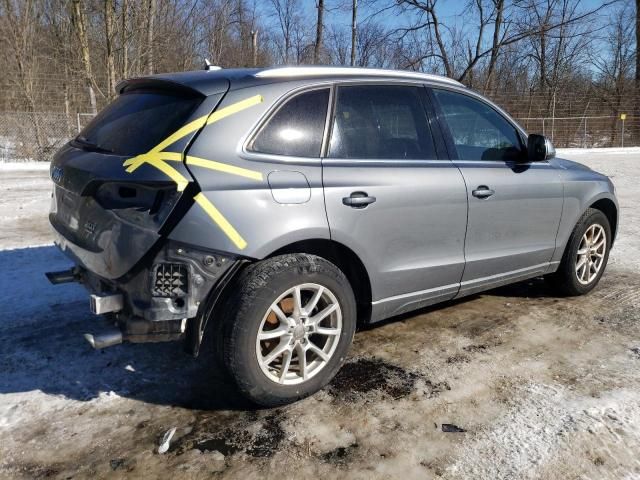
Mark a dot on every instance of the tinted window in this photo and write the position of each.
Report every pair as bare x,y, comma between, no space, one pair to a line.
297,128
478,131
135,122
381,122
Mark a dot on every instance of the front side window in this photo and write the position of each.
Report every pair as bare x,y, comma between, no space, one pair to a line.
478,131
296,129
380,122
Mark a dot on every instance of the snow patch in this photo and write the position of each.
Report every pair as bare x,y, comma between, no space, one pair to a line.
540,429
13,166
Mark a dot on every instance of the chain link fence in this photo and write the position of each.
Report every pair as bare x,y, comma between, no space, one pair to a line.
36,136
28,136
586,132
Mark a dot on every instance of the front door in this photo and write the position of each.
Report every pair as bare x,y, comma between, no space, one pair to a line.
391,200
514,206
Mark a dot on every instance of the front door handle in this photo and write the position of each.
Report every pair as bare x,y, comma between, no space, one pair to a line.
358,200
483,192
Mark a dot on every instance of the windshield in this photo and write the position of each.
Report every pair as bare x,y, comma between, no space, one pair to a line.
137,121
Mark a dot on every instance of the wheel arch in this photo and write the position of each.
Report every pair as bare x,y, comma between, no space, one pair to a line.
610,210
346,260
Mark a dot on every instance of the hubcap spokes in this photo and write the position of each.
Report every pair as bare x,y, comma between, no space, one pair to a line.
590,256
299,334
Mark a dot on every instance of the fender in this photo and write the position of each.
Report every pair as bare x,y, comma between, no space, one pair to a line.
579,195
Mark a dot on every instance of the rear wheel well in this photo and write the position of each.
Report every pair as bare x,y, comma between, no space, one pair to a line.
346,260
609,209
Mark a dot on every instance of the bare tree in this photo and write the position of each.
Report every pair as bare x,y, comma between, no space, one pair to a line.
19,33
428,20
615,64
53,51
287,14
80,22
151,15
317,49
109,14
124,38
354,31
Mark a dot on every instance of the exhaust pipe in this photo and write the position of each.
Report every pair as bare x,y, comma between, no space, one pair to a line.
64,276
103,340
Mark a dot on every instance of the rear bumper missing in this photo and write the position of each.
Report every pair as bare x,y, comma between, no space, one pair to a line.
159,298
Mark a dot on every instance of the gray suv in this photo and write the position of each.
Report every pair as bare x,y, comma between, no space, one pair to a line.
274,210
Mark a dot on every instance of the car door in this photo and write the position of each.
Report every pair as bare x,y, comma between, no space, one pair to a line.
391,198
514,205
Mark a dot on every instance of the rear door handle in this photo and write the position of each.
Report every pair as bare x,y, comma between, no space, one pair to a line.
483,192
358,200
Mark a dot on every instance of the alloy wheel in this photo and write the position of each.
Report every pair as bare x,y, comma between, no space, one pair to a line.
299,334
590,255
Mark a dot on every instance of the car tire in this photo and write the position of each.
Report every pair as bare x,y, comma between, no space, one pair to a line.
573,278
314,343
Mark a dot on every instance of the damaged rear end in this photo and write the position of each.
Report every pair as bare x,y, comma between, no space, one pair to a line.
119,188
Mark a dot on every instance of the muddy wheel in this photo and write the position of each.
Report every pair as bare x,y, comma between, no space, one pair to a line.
585,256
288,328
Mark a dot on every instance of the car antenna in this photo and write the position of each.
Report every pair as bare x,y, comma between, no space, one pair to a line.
208,66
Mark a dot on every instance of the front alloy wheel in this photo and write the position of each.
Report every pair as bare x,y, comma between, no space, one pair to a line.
585,256
590,255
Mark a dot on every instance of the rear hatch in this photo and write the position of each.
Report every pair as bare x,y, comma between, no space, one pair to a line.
120,181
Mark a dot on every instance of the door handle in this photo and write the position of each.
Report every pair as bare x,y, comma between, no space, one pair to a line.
358,200
483,192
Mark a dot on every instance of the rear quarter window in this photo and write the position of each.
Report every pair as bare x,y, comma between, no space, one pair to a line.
296,129
137,121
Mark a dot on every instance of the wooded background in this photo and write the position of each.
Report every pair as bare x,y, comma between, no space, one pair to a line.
566,68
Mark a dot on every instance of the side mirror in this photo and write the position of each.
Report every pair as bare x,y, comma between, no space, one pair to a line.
539,148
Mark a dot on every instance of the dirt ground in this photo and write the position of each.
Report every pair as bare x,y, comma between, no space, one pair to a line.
513,383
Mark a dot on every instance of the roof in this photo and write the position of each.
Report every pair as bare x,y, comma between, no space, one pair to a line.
208,82
321,71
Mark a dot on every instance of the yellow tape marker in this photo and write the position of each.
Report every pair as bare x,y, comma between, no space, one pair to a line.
170,172
224,167
135,162
180,133
234,108
222,222
157,157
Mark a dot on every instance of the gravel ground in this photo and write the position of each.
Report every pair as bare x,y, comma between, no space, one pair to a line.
513,383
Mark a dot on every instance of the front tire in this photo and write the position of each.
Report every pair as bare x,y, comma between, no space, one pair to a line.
585,256
287,328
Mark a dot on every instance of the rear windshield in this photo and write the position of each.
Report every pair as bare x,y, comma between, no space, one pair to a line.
137,121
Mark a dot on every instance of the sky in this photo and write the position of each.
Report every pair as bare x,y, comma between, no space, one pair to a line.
448,10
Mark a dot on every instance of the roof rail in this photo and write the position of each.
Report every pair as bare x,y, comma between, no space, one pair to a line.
282,72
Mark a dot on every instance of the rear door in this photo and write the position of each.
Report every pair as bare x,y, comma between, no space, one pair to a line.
392,198
514,206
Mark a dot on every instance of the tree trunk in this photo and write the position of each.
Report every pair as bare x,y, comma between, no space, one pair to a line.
123,40
441,46
317,50
495,44
254,47
150,25
79,21
543,62
354,31
109,13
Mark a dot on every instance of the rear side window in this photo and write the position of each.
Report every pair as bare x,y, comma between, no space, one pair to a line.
137,121
381,122
478,131
297,127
